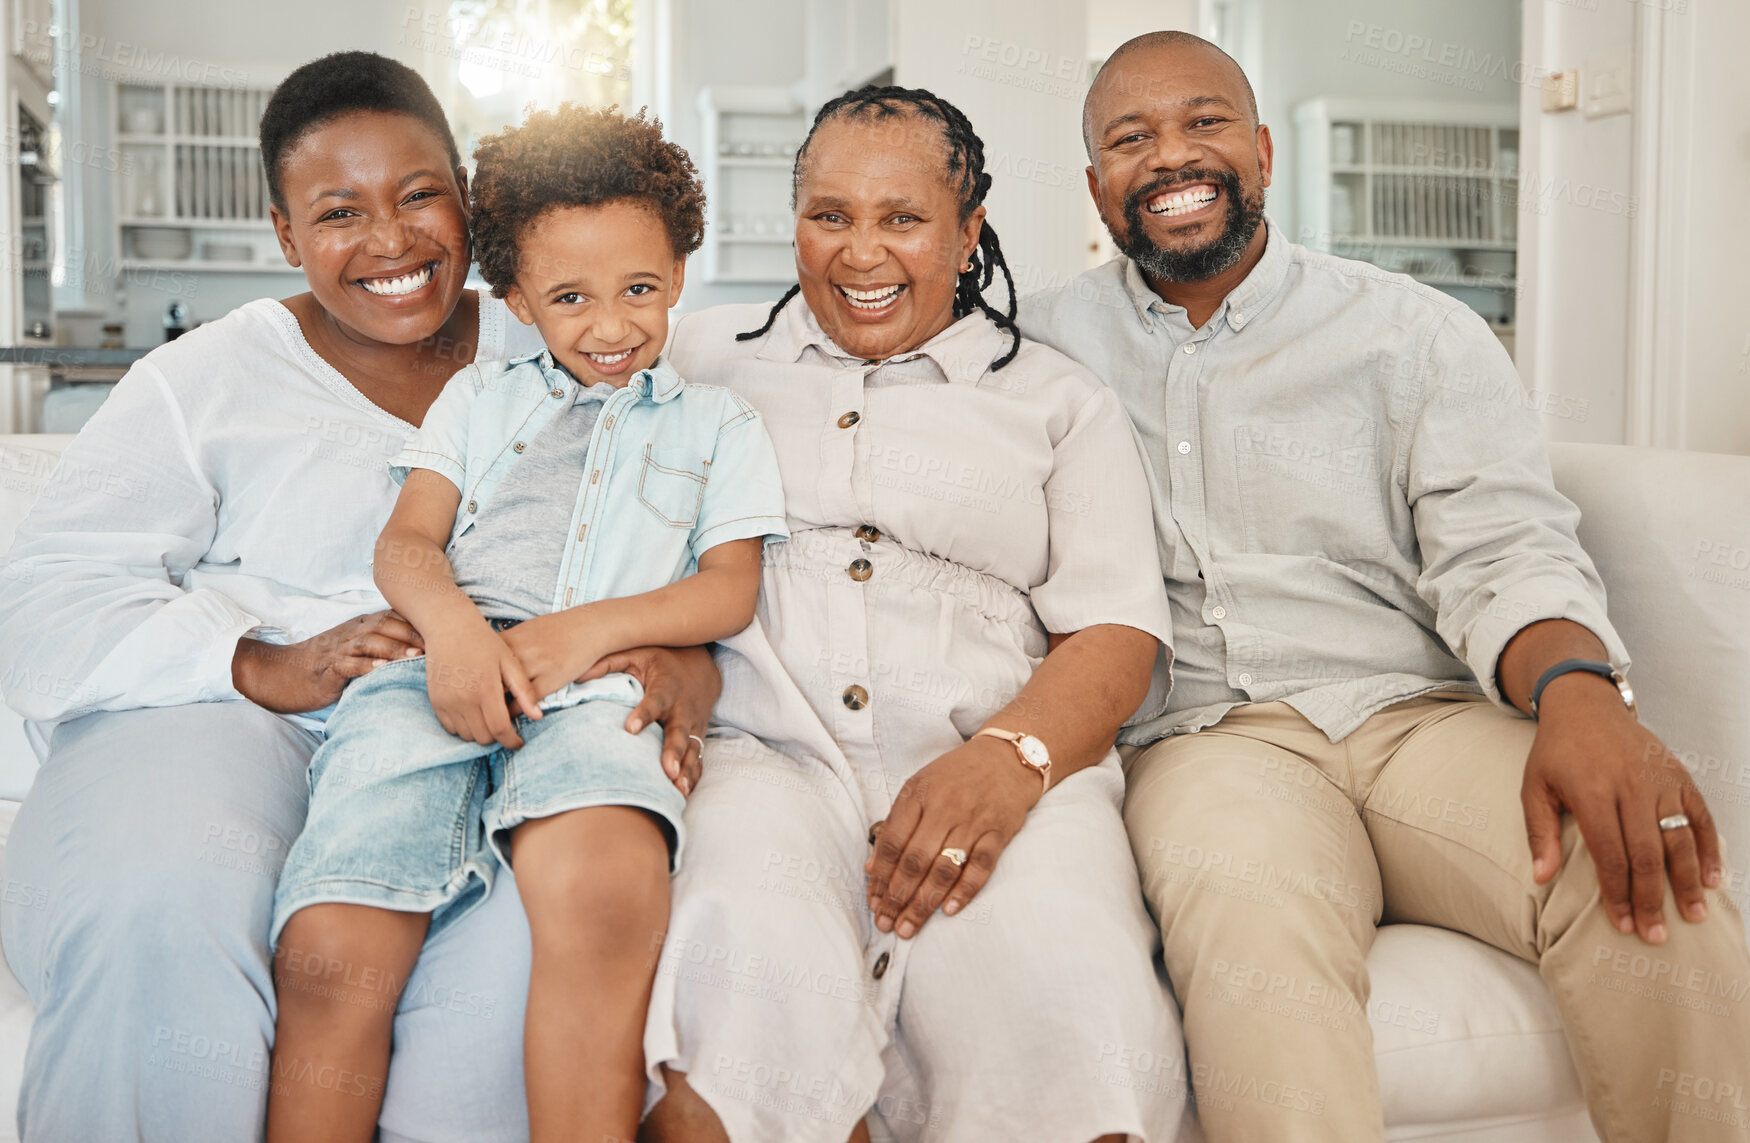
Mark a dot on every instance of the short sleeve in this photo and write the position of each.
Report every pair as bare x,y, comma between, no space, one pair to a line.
744,497
441,441
1104,565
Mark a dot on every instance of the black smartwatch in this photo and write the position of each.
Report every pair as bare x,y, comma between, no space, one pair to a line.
1590,666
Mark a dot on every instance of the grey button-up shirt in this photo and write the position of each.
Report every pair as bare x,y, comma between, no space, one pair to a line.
1351,490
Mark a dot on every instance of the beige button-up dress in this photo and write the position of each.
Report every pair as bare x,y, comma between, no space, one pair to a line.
943,518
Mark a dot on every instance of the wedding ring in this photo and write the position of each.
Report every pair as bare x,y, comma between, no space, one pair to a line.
957,856
699,740
1675,821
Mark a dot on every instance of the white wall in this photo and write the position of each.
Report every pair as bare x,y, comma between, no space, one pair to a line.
1575,224
1018,72
717,43
1376,49
1706,350
222,41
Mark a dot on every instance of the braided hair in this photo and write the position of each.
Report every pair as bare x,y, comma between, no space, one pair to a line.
966,174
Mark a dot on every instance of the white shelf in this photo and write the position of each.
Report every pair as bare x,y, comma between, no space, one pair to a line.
1380,175
766,162
195,265
1474,281
255,225
760,116
1338,243
187,169
126,139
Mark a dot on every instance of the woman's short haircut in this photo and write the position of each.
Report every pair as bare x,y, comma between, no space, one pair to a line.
578,156
341,84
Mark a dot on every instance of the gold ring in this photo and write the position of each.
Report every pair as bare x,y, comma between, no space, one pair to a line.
957,856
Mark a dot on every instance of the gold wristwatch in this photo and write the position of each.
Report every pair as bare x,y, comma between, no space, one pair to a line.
1030,750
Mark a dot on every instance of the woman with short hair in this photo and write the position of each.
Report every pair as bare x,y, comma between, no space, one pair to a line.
205,541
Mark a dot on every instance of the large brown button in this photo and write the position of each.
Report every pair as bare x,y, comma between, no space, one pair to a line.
880,969
856,697
850,419
861,570
868,533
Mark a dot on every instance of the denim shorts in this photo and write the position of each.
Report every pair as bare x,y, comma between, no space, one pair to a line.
405,815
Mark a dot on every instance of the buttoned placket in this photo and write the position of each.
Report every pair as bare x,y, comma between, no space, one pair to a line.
1185,399
581,548
843,444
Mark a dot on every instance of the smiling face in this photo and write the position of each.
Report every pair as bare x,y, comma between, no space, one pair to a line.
1179,164
879,238
598,281
377,219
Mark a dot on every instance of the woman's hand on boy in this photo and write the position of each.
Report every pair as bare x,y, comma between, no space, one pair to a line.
300,677
680,688
467,674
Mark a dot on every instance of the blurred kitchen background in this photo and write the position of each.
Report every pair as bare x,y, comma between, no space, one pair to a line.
1571,169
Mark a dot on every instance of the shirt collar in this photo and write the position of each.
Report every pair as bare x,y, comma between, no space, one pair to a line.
963,352
1242,302
660,382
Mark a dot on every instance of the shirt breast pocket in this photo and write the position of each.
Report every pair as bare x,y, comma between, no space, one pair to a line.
1313,488
672,485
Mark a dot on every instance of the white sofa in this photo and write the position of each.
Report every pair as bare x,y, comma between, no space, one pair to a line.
1468,1042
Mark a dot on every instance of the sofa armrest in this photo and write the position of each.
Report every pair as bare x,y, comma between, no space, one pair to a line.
1670,533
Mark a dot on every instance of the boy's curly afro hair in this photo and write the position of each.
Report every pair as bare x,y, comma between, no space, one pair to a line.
577,156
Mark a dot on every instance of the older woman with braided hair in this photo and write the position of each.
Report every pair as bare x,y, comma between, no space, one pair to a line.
909,888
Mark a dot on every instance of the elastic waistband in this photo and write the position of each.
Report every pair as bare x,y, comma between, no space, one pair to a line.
824,552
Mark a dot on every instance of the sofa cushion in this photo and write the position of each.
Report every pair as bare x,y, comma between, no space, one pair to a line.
16,1012
25,464
1463,1031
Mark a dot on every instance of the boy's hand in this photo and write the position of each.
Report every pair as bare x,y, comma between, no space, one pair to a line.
467,672
554,649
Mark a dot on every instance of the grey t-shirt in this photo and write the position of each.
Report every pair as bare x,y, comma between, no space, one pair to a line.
508,562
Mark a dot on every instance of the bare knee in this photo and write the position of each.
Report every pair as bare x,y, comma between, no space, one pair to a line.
682,1115
586,888
347,961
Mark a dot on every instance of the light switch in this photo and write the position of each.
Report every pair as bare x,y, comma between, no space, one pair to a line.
1608,79
1561,90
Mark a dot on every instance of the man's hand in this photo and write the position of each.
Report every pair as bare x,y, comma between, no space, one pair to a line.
975,798
306,676
1592,759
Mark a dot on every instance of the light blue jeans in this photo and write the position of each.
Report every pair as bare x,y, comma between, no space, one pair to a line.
158,836
406,816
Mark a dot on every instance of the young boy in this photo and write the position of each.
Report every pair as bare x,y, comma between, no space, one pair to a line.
555,509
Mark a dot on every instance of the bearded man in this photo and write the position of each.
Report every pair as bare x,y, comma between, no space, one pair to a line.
1396,695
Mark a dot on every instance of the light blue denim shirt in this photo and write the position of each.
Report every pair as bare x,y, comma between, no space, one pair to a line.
674,469
1351,488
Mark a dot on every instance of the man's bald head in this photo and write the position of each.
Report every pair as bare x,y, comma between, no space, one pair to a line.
1152,41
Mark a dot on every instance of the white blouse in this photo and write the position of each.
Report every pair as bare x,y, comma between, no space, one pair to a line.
232,484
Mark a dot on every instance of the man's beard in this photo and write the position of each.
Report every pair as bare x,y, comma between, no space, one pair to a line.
1220,254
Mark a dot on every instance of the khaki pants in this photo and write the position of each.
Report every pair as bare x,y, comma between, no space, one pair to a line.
1263,845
